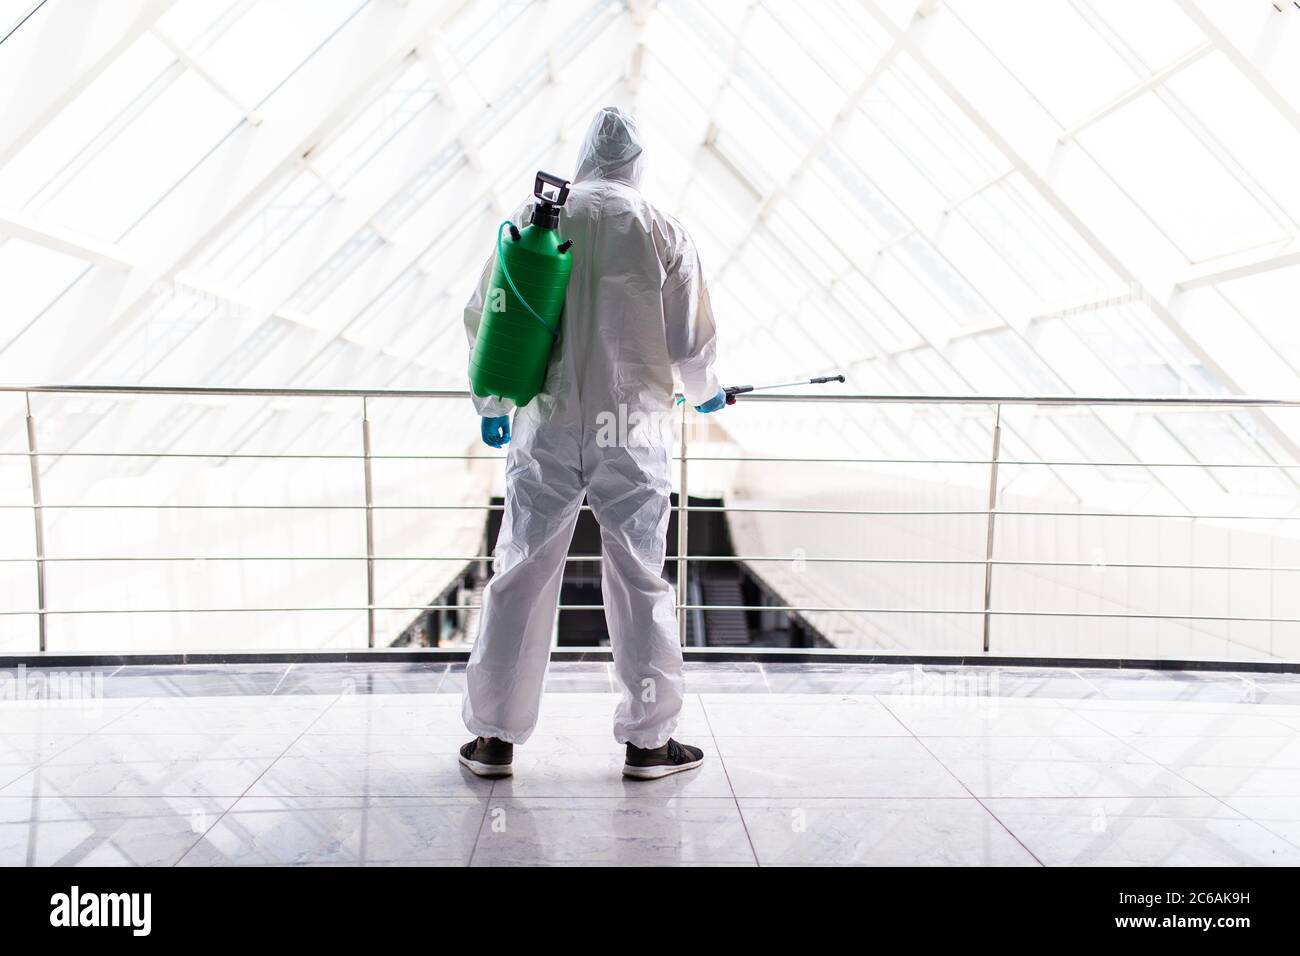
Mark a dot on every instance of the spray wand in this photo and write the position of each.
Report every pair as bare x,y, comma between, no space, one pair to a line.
731,391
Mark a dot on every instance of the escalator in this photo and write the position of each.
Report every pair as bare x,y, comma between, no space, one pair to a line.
726,584
722,587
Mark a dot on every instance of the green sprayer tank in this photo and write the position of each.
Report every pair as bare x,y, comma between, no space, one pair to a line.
521,312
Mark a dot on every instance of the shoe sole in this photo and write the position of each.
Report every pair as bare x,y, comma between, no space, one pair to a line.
656,773
478,768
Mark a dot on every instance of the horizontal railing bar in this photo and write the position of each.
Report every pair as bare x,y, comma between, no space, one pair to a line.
580,558
1122,400
984,512
980,611
790,609
187,507
282,610
239,391
105,506
261,557
323,457
985,462
1154,464
721,509
257,457
260,507
832,397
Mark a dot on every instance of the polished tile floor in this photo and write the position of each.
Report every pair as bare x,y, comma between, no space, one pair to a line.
807,764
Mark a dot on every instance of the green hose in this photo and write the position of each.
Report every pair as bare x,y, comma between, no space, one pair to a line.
501,258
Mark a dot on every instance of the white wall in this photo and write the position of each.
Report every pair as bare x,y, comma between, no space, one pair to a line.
1101,542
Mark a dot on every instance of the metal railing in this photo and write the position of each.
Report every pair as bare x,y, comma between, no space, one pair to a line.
990,513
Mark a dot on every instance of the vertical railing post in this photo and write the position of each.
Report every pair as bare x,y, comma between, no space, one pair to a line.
370,526
38,520
991,514
683,586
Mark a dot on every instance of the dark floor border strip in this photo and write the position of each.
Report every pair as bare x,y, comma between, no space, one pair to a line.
602,655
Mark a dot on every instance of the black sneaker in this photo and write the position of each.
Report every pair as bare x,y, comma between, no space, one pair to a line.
488,757
671,758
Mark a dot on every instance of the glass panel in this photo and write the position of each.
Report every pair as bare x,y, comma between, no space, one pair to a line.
13,12
54,154
1156,30
1159,163
270,41
244,248
1037,244
1252,129
348,153
1268,301
1139,349
144,161
32,277
194,24
1049,47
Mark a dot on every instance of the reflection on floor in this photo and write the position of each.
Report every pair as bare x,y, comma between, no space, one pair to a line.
807,763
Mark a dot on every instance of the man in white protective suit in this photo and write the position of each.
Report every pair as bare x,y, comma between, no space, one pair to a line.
636,309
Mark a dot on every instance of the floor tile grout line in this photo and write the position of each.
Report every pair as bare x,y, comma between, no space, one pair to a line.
1131,746
907,731
962,783
36,796
1101,694
1262,824
559,795
1072,707
744,824
80,738
1213,796
442,679
234,803
276,689
478,834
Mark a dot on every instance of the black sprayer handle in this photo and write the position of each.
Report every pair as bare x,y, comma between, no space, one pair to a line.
550,179
731,391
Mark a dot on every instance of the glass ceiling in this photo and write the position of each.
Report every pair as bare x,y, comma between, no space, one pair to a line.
1030,196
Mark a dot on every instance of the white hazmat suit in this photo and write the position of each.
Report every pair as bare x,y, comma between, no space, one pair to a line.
636,309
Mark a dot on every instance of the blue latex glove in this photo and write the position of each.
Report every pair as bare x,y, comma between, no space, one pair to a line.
712,405
496,431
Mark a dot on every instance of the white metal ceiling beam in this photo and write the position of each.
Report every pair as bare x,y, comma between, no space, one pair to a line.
1241,266
1039,179
1242,62
1188,117
1104,299
709,139
386,178
76,42
23,227
302,112
825,138
1268,368
994,180
422,235
192,64
968,331
1155,80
